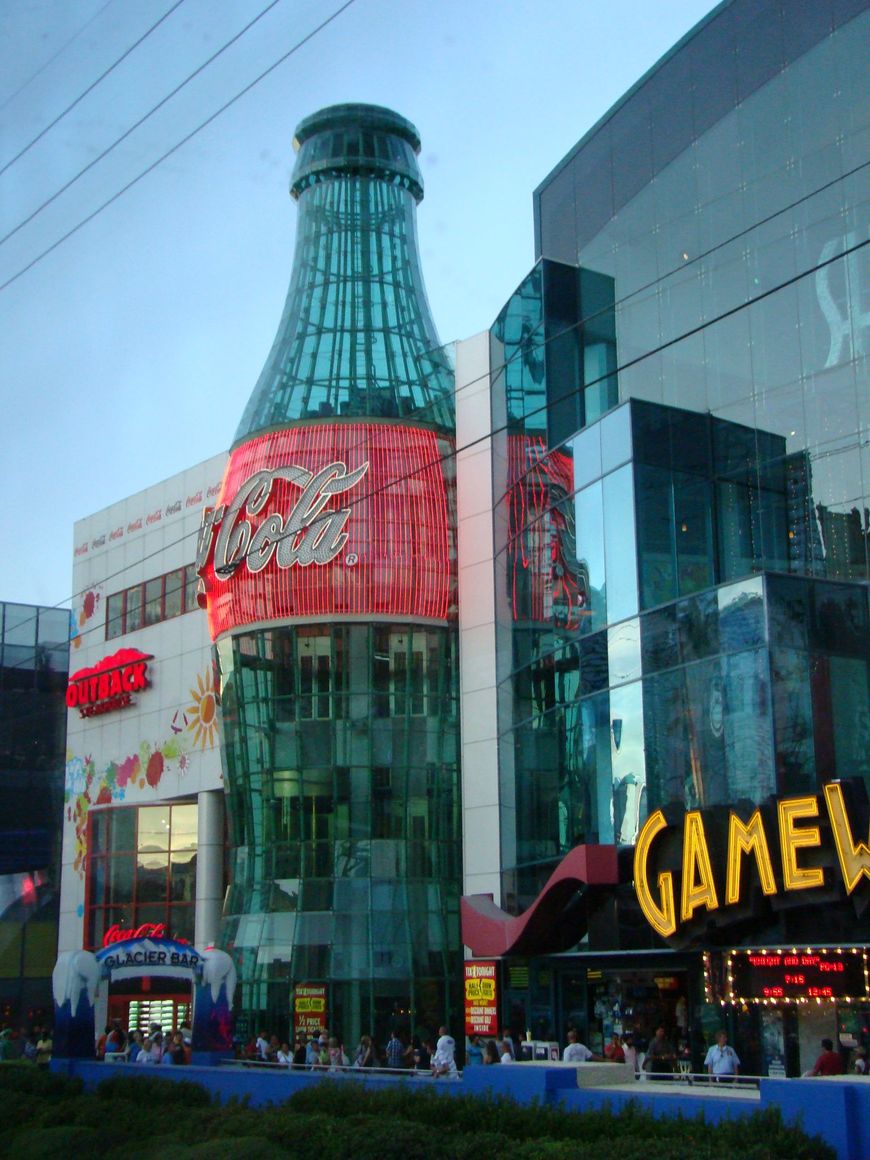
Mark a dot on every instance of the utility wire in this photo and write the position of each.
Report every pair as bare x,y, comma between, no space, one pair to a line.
55,55
572,392
136,125
528,344
69,109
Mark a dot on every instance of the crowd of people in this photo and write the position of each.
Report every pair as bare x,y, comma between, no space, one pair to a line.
325,1051
154,1048
33,1044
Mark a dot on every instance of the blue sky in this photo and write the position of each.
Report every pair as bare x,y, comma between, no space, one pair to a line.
128,353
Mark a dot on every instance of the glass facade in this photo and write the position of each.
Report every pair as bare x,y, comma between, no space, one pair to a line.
141,870
684,575
344,808
34,666
356,338
334,613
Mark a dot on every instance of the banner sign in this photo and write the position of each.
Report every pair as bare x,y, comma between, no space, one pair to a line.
309,1010
481,1002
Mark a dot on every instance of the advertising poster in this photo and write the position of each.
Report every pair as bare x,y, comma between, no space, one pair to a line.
481,1006
309,1010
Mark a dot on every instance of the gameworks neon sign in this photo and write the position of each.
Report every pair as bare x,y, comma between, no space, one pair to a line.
796,832
329,519
109,685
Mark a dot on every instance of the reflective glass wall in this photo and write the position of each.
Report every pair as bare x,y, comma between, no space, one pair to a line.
658,558
34,667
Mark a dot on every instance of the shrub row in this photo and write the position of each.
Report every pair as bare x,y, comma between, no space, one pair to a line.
145,1116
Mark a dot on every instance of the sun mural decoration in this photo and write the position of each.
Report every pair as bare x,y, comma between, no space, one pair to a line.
202,714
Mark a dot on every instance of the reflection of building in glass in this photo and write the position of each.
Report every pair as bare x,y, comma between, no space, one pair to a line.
34,660
704,394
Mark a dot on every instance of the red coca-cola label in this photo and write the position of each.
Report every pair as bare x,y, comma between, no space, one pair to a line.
336,518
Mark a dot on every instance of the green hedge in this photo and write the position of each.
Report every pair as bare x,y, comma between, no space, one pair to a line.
144,1116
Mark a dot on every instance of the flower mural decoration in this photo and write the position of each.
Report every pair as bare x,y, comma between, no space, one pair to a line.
90,603
86,786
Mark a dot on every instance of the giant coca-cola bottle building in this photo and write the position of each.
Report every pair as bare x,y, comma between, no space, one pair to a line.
329,573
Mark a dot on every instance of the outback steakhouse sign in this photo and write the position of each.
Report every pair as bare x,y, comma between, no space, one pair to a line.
329,519
109,684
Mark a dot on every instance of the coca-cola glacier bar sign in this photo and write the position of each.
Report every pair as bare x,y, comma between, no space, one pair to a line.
330,519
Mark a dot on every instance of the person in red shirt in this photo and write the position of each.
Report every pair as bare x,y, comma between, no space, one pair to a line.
830,1062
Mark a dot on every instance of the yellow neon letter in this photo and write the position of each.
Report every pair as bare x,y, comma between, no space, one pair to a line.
747,839
854,860
661,916
791,840
696,856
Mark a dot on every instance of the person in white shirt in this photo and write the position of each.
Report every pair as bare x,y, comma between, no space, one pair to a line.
443,1062
721,1061
576,1052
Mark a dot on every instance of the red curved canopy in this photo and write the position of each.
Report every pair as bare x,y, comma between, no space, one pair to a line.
489,930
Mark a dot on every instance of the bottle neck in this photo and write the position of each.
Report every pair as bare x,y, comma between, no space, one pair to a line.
357,338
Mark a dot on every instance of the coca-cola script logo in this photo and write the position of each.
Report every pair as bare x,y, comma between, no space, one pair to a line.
109,684
308,534
116,933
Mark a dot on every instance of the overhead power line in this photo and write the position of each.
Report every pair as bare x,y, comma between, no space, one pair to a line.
55,55
178,145
78,101
137,124
494,371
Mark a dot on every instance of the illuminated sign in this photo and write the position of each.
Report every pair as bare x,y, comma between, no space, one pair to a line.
787,856
796,975
109,685
330,519
309,1010
481,1005
147,930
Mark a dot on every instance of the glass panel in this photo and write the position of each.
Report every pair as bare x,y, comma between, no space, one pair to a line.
616,438
154,828
20,625
623,652
115,616
153,600
627,806
134,608
590,555
123,830
151,877
174,593
120,880
619,543
182,877
587,456
181,922
741,615
184,827
190,584
655,536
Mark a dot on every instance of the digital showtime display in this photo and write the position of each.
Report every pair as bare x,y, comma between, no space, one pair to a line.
327,520
796,975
